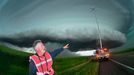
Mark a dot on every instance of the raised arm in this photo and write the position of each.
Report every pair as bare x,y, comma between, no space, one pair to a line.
58,51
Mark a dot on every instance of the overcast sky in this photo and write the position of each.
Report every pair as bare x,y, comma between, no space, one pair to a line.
67,21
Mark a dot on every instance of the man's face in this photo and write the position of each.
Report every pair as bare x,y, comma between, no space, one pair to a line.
40,48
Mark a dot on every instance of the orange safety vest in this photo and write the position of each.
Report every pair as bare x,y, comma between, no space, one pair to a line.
43,64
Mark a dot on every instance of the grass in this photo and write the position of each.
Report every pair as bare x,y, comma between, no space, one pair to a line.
90,68
13,62
76,66
65,63
124,51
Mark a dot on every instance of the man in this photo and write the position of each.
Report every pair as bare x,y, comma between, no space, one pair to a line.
41,62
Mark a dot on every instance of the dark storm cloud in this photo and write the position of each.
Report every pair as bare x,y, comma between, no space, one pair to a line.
79,39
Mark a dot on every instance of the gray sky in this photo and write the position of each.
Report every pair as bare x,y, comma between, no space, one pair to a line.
67,21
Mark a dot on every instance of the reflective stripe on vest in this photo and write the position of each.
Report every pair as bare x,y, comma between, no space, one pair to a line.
44,64
50,73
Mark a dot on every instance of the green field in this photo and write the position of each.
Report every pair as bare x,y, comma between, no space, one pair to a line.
129,50
83,68
13,62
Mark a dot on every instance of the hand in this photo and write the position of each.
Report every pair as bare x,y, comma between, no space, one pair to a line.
66,46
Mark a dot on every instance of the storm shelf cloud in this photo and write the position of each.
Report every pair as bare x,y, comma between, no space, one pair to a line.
57,22
77,37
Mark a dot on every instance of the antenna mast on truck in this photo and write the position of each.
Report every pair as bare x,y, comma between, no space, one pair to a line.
97,23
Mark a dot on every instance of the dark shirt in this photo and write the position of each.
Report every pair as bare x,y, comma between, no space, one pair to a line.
32,67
